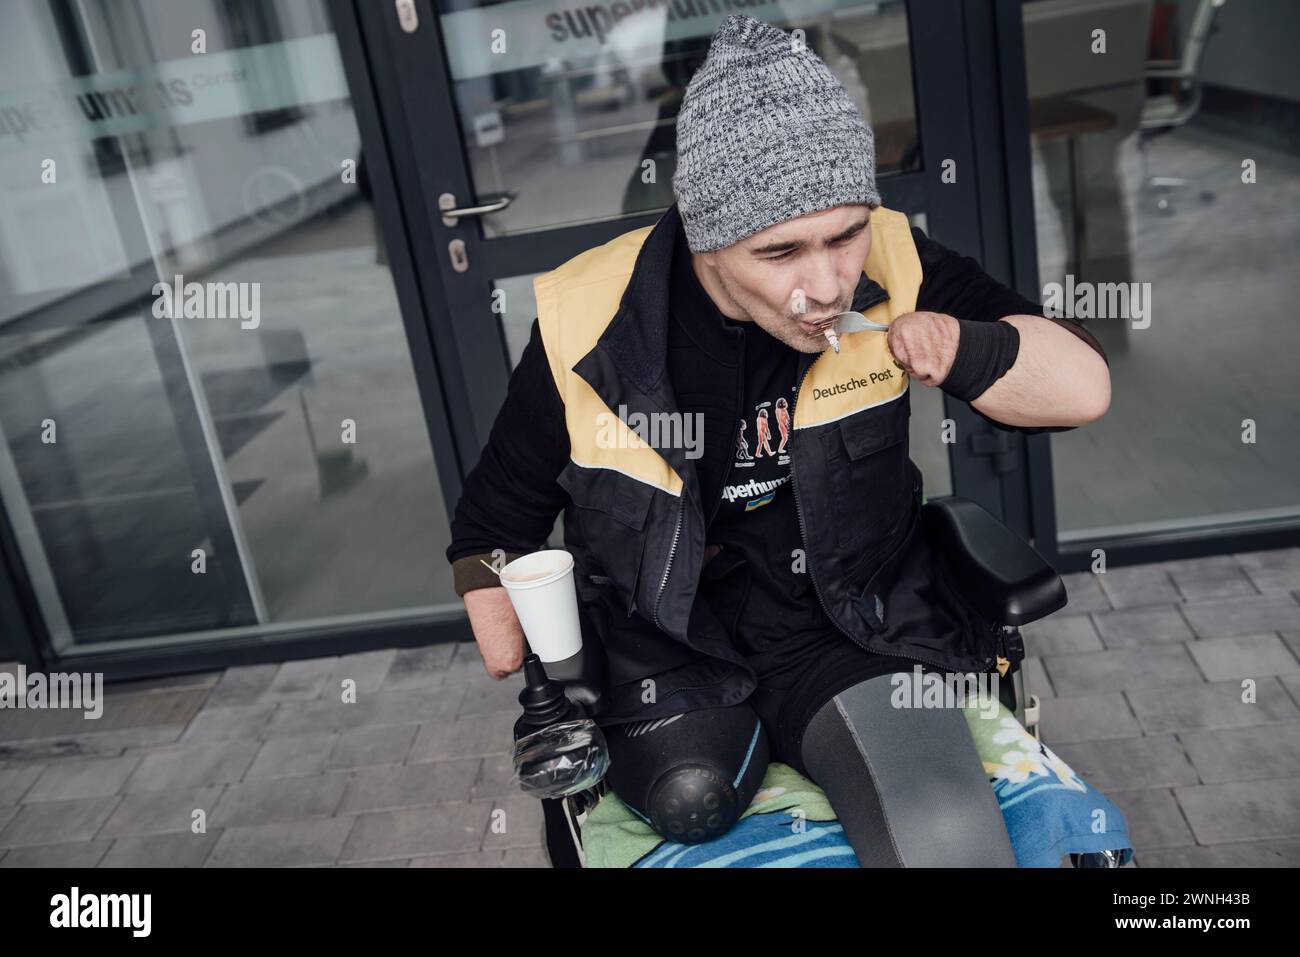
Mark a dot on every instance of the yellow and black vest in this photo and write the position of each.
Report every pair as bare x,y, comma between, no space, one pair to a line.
636,525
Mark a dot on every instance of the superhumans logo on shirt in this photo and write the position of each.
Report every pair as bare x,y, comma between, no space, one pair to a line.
765,413
756,493
761,450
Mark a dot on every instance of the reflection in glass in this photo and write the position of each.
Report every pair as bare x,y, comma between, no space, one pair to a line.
174,476
573,112
1138,179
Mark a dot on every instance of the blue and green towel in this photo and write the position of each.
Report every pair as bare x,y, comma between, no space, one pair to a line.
1048,809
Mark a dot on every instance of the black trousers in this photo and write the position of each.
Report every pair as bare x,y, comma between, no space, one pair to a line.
742,739
922,799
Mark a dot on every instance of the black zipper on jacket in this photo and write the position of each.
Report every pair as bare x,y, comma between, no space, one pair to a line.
672,550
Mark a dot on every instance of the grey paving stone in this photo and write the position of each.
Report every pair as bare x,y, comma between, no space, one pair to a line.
495,778
488,735
1207,566
1135,627
108,744
80,854
515,822
1276,570
1154,818
82,778
409,785
7,815
161,850
404,707
294,844
1244,754
243,684
1242,810
371,708
1104,672
420,667
170,707
1151,762
245,722
1292,640
1252,615
1036,679
414,832
278,799
305,754
1217,705
294,719
1136,585
160,812
303,680
1215,576
193,766
526,857
141,708
371,746
1061,635
57,822
366,669
487,695
1084,593
466,662
1291,682
1243,656
16,780
1274,853
1087,718
400,862
467,859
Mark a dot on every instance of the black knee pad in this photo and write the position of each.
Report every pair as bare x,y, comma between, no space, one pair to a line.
692,804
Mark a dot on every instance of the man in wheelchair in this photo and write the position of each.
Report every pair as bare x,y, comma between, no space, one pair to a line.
750,554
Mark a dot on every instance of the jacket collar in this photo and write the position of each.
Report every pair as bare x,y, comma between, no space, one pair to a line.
628,366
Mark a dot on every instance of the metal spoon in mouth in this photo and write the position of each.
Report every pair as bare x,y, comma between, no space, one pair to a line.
834,326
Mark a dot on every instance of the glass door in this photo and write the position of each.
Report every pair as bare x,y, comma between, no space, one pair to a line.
546,129
211,430
1165,170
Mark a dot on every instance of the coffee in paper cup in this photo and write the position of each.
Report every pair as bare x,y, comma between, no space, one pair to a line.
540,586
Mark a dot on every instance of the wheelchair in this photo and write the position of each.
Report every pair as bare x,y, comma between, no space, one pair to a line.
996,571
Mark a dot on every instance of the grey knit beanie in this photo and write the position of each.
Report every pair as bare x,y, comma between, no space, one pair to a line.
765,133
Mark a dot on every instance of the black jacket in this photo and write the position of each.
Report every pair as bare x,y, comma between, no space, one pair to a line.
639,551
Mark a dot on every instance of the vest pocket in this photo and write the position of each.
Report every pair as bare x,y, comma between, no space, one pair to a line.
866,458
610,512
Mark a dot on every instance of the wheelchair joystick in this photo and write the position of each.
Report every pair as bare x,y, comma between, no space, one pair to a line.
543,700
559,749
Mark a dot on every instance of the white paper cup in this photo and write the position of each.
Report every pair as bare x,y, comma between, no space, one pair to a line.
540,586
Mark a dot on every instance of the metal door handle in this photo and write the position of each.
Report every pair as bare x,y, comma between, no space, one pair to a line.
450,214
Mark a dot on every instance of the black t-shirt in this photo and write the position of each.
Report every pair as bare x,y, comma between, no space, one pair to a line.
758,583
758,517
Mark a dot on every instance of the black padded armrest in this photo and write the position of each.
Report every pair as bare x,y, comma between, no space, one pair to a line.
997,571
